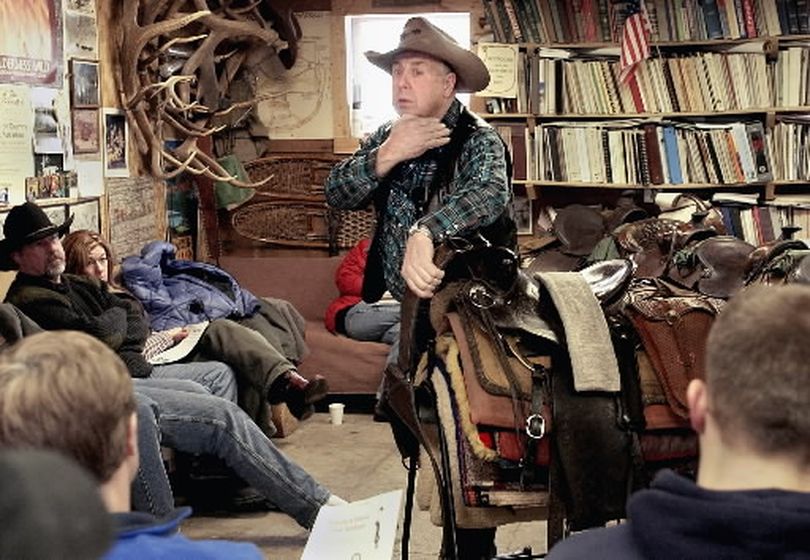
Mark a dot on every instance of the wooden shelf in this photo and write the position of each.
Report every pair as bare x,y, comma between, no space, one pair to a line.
669,44
533,188
624,186
635,116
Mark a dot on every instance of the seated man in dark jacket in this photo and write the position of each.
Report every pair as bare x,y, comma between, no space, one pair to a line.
55,300
752,415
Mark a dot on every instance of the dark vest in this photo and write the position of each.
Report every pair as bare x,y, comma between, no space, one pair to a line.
502,232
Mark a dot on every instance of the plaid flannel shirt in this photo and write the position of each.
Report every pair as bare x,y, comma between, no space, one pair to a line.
476,197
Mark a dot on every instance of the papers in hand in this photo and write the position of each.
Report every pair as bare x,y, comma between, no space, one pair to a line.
182,348
365,529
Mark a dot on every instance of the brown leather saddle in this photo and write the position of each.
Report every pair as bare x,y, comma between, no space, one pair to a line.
651,243
580,227
772,263
716,266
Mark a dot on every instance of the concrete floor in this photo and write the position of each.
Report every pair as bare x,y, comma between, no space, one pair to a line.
355,461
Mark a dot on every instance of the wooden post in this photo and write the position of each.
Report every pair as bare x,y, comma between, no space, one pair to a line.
208,207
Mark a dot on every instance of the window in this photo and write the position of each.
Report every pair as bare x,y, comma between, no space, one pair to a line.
368,87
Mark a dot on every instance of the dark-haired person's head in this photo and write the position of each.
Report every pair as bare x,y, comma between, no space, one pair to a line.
50,507
756,396
87,253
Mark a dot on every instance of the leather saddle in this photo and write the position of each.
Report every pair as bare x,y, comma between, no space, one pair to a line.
772,263
580,227
651,243
716,266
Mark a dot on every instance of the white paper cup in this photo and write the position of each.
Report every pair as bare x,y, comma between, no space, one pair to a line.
336,413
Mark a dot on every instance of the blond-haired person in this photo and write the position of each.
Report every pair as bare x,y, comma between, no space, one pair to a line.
68,392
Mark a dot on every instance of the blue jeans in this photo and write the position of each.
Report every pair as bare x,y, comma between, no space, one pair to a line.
151,491
217,377
198,423
378,322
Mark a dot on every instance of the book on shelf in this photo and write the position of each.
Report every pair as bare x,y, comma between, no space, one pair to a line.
652,150
673,157
514,136
798,200
735,198
711,15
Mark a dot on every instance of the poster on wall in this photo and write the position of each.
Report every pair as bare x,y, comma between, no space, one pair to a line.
31,42
115,144
300,99
85,215
132,214
16,135
81,32
85,131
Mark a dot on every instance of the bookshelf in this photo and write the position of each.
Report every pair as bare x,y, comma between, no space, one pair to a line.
723,103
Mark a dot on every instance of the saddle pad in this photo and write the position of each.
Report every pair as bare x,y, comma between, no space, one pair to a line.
651,390
486,408
480,357
466,516
588,339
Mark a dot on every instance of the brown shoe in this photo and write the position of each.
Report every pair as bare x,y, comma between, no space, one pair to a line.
300,397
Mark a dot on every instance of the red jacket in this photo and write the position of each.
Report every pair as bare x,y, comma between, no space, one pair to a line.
349,281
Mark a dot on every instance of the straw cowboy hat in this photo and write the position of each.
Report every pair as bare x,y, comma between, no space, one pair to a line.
419,35
26,223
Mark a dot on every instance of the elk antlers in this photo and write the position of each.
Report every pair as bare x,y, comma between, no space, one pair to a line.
177,60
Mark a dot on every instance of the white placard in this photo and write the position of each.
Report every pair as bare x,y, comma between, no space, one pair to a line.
501,61
364,530
182,348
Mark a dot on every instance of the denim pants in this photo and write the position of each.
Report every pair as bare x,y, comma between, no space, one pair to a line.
198,423
151,491
216,377
375,322
378,322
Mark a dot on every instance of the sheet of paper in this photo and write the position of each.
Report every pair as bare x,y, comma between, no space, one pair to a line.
362,530
16,136
501,61
182,348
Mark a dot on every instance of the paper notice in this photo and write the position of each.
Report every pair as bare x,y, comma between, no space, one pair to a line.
182,348
363,530
502,63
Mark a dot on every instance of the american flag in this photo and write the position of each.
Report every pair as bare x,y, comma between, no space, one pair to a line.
635,45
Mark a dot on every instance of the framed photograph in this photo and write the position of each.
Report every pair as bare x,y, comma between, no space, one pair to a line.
84,83
85,215
523,215
116,162
86,133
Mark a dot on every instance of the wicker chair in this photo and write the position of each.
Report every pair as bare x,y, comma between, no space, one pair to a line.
291,211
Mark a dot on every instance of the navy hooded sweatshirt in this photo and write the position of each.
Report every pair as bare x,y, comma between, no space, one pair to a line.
676,519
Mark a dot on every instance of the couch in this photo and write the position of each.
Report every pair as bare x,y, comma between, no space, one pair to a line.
350,366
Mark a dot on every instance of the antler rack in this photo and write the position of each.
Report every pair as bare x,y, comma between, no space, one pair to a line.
176,62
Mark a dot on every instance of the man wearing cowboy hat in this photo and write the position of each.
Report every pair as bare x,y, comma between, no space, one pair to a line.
436,172
33,246
401,166
190,418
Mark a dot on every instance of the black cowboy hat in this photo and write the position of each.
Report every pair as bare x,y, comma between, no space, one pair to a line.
26,223
419,35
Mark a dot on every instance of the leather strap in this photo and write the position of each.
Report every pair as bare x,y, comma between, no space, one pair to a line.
535,422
